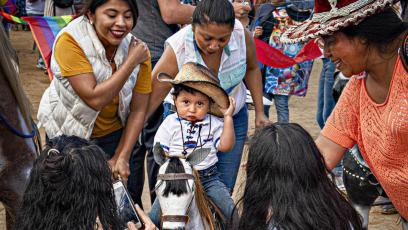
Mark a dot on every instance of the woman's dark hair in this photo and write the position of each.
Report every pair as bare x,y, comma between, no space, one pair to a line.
288,186
70,186
379,30
92,5
214,11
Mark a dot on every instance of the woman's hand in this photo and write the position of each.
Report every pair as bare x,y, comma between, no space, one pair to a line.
147,222
258,31
261,120
137,51
230,110
121,169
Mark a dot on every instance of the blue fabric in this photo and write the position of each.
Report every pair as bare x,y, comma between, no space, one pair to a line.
281,105
325,100
215,190
228,163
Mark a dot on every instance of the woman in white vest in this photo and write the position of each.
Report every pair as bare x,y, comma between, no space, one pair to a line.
218,41
102,82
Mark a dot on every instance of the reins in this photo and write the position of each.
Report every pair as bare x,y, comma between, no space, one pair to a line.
34,135
16,132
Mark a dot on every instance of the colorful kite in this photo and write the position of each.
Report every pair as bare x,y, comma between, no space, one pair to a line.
45,30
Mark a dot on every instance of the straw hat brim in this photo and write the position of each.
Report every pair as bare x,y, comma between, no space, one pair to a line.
313,28
215,92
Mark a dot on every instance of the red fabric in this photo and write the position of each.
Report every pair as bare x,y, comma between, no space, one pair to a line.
270,56
324,5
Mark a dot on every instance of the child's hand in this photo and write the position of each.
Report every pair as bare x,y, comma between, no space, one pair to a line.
230,110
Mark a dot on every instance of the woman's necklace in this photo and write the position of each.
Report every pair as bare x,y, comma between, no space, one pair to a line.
111,60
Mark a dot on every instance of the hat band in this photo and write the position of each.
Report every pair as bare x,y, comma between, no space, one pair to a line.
339,12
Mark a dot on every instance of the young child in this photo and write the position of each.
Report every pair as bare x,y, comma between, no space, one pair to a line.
199,103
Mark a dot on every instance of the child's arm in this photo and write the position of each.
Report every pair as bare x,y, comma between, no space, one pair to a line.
227,138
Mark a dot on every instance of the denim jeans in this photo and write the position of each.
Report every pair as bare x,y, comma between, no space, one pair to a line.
229,162
214,189
108,144
281,105
325,101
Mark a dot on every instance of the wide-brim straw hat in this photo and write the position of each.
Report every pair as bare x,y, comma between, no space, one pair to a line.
200,78
332,15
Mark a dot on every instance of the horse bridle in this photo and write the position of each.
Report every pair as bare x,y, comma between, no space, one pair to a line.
177,176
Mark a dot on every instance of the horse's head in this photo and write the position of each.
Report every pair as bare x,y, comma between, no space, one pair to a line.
175,185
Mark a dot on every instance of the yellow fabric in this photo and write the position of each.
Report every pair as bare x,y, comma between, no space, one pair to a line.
72,61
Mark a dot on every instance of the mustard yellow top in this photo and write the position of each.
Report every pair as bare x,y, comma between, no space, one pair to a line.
72,61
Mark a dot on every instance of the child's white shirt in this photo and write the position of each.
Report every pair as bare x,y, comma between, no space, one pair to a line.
195,136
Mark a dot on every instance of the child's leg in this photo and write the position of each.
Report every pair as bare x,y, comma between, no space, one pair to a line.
154,213
217,191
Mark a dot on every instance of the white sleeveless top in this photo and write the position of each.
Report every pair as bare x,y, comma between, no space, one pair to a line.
233,64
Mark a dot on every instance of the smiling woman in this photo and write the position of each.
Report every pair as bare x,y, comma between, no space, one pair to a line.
369,40
102,82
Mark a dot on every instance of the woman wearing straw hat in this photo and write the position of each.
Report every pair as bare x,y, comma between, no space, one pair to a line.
367,39
218,41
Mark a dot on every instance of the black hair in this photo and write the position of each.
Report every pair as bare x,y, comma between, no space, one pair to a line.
214,11
379,30
92,5
177,88
70,185
287,185
177,187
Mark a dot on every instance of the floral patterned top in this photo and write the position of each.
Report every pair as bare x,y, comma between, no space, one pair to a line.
292,80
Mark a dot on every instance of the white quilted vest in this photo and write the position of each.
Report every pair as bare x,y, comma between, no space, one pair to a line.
61,110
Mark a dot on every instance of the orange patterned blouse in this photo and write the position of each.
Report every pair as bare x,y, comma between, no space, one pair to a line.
380,130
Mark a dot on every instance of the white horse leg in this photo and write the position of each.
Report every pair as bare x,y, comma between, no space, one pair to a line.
364,212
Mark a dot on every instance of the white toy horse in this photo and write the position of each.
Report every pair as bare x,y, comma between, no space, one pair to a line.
182,199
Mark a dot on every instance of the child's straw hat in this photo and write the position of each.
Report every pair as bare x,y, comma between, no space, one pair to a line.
200,78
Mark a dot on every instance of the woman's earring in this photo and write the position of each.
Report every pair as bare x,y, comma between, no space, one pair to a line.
91,22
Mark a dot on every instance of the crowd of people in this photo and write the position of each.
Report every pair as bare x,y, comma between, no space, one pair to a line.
110,102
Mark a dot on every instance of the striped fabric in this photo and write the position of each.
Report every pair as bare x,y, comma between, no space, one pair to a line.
44,30
11,18
8,6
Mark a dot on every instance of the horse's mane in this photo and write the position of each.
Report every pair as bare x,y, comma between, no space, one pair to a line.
9,69
177,187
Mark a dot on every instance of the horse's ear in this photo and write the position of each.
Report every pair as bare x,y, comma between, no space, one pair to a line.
198,155
158,154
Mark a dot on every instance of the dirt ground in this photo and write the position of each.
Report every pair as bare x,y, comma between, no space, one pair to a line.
302,111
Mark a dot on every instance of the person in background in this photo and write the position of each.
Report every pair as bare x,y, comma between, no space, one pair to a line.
280,83
55,8
164,16
36,8
101,84
219,42
370,45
